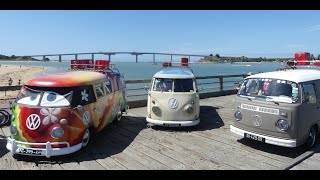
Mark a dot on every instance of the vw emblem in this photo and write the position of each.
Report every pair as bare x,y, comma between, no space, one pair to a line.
33,122
173,103
256,120
86,118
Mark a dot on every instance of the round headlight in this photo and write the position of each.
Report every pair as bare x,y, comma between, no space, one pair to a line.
13,129
282,124
238,115
57,132
189,109
156,110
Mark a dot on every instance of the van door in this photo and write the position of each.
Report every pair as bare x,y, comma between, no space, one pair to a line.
309,112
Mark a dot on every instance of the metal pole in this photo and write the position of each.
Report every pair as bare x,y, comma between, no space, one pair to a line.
189,59
171,57
76,56
109,57
154,58
44,58
92,56
136,58
59,58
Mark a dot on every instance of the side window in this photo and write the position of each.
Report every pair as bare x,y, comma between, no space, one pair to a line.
107,87
318,90
82,96
308,93
122,83
99,90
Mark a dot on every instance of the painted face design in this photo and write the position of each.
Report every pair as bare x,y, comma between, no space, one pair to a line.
32,99
52,99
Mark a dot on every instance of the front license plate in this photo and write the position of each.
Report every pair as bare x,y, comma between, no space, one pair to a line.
254,137
30,151
171,125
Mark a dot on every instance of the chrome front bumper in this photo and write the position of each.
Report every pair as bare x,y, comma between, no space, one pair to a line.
15,148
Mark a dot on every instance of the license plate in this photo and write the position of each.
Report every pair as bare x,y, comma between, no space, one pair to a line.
171,125
254,137
30,151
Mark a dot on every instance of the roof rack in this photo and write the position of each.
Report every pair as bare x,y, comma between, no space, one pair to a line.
102,66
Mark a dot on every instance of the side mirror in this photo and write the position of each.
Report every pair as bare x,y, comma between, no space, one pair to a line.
146,88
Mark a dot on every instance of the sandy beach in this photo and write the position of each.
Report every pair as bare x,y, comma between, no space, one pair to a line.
15,72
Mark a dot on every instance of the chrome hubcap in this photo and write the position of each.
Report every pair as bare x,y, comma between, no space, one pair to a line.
86,137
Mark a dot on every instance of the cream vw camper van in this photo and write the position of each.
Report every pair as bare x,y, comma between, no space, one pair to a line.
173,99
280,108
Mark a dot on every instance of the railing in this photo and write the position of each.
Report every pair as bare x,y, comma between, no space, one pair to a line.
211,86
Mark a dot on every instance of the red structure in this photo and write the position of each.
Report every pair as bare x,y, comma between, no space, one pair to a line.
184,61
302,58
102,64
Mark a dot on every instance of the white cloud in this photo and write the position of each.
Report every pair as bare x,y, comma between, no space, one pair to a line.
313,28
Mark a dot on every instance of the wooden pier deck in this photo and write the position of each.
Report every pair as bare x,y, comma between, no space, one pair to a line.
130,144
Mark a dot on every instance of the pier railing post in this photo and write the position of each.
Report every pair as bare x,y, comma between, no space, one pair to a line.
221,83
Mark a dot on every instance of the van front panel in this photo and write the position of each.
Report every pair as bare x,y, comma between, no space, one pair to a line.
261,117
173,106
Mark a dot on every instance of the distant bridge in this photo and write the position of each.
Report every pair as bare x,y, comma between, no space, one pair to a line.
115,53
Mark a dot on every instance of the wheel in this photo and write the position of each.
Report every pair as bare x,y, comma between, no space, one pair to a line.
311,140
4,117
118,117
86,138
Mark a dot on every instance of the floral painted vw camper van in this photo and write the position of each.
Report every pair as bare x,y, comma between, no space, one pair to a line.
173,99
280,108
57,113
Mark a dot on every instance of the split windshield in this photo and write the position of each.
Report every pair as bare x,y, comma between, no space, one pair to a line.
55,96
173,85
267,89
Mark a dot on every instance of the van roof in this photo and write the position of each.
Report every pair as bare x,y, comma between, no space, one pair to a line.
67,79
175,73
297,75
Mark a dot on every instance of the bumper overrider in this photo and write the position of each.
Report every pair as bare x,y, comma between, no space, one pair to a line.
15,148
268,139
173,123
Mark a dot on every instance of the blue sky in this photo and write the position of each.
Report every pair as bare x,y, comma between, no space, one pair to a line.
228,33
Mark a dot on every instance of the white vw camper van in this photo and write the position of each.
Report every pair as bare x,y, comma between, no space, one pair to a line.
173,99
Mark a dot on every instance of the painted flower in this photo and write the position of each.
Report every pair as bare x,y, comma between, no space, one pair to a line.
84,95
50,115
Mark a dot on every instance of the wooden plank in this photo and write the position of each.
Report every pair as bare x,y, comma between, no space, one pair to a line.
121,143
199,162
163,159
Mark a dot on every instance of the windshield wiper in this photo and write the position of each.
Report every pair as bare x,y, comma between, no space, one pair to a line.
272,100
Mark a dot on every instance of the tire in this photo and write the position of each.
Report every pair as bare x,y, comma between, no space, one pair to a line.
312,138
86,138
4,117
118,117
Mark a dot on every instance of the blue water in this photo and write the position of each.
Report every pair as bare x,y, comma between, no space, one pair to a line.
133,70
145,71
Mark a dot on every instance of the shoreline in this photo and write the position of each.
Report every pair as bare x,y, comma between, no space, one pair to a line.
16,73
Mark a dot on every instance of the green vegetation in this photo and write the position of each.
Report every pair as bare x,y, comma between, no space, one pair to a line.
217,58
19,58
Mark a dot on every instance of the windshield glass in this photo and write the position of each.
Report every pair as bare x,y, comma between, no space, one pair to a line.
276,90
55,97
164,85
183,85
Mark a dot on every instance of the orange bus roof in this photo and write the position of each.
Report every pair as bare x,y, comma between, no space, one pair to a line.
67,79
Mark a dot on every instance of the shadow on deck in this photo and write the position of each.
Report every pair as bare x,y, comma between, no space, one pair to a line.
209,119
101,146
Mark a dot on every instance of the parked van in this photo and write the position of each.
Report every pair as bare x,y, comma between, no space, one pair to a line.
280,108
56,114
173,99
